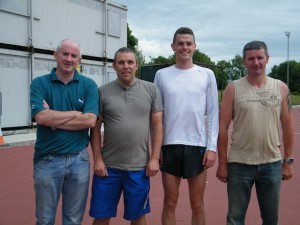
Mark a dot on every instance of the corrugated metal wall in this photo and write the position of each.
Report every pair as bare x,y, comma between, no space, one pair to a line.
31,30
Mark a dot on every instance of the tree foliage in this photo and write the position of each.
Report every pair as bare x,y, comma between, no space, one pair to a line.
237,69
133,43
225,71
222,75
280,72
201,58
162,60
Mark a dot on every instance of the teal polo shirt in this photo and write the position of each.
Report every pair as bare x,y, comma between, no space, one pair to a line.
80,94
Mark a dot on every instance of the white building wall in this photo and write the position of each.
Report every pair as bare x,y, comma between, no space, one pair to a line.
14,22
99,26
14,83
52,21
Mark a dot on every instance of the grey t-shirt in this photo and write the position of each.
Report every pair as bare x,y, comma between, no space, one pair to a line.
126,116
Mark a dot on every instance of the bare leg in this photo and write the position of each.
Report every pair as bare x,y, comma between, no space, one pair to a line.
196,191
171,192
139,221
101,221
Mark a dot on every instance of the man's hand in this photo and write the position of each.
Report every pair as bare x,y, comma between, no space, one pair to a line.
100,168
152,167
209,159
287,171
222,173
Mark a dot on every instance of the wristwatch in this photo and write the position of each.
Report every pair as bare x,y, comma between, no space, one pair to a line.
289,160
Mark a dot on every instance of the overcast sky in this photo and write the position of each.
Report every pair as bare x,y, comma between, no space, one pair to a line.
221,27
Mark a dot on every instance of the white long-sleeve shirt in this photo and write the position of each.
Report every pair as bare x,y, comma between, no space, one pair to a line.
191,112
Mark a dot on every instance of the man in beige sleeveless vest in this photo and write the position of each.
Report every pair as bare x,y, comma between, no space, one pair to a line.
256,104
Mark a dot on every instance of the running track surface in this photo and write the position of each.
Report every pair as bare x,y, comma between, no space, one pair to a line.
17,195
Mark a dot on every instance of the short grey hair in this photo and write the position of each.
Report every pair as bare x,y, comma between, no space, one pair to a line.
255,45
68,39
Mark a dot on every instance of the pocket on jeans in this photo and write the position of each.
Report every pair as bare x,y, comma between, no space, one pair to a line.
84,154
47,158
45,162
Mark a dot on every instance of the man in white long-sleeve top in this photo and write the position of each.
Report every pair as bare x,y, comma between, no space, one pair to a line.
189,94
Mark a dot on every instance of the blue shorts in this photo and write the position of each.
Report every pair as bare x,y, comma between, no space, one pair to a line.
106,193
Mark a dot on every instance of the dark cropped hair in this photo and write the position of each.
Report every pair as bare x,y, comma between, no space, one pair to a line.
255,45
183,30
128,50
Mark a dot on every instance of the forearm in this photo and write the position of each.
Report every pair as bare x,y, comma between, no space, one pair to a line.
212,129
288,140
53,118
212,119
81,122
287,122
156,148
96,141
222,148
157,140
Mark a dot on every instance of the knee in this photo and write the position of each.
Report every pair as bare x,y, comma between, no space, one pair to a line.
170,204
197,207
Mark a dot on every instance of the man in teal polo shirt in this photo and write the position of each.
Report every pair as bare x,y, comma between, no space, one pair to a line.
65,104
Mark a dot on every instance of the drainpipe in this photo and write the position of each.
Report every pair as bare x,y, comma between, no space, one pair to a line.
0,106
106,79
30,41
31,48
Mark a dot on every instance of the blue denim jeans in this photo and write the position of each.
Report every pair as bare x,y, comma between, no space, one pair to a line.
68,175
267,180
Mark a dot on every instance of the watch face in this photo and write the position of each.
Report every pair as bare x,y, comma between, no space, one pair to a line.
289,161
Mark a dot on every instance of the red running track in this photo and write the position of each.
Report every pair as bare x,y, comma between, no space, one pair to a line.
17,195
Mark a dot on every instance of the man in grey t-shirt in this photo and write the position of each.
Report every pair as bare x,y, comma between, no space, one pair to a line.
129,108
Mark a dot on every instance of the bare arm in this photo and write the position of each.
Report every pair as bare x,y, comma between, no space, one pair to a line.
96,143
226,114
156,123
67,120
287,123
83,121
53,118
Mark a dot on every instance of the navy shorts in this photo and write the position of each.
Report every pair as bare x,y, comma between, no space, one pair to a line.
182,160
106,193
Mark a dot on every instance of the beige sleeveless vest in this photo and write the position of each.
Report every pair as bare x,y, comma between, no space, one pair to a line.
255,137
